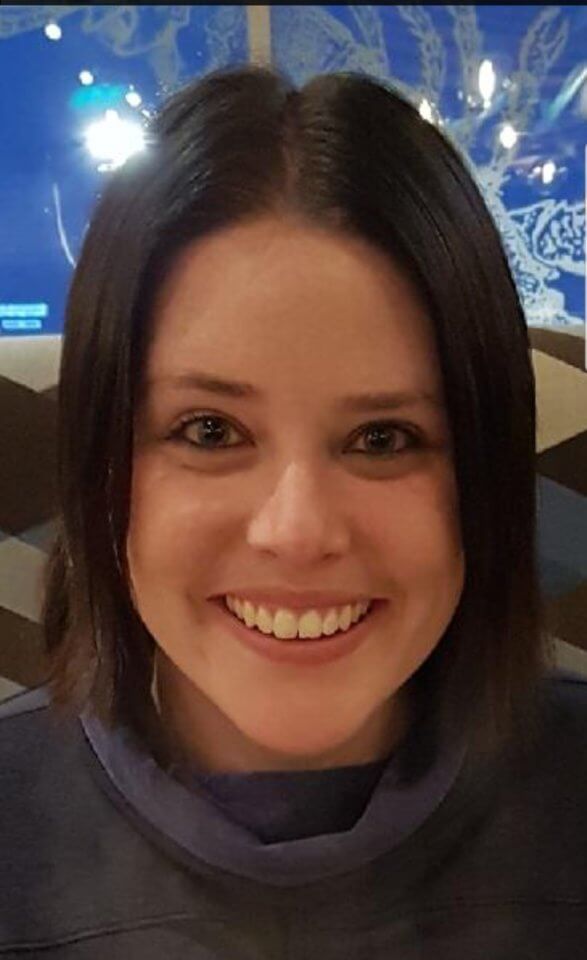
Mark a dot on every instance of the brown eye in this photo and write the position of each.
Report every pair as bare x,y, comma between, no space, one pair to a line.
207,432
379,435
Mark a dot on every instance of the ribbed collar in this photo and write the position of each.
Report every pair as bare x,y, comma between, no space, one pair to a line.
199,815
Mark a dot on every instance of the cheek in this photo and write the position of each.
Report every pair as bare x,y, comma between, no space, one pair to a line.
418,527
171,524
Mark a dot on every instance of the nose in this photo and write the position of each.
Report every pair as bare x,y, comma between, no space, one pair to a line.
299,520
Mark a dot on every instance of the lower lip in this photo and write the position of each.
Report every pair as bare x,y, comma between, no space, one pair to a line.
304,653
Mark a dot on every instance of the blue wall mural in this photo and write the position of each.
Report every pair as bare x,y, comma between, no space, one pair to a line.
507,83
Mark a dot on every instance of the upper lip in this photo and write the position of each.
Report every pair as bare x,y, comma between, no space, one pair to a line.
306,600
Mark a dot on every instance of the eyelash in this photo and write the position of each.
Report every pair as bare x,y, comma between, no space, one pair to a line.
414,438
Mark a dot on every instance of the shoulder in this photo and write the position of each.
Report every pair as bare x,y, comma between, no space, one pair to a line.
22,703
562,722
564,750
24,727
561,750
27,723
566,692
569,682
39,754
45,770
79,865
555,769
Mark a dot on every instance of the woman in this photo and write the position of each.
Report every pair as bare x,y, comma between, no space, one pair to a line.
301,700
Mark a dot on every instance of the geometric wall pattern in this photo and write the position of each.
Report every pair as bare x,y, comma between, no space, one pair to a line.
561,391
28,378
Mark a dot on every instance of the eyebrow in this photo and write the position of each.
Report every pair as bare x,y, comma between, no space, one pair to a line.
381,400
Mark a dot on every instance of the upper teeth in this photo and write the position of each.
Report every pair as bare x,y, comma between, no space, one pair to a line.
286,624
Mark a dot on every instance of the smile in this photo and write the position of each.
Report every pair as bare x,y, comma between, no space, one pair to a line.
285,624
307,652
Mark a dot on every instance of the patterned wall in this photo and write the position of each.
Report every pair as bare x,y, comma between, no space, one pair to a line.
507,83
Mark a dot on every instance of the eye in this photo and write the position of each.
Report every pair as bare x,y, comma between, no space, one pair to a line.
380,434
210,430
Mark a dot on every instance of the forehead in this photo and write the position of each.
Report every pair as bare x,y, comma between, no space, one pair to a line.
273,294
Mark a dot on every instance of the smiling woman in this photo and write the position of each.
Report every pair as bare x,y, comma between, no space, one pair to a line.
309,495
292,614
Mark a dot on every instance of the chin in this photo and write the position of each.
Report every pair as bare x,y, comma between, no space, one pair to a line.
294,745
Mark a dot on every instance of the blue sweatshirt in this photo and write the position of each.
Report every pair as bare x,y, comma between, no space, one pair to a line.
103,854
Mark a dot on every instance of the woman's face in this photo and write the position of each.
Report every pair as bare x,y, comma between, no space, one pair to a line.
290,489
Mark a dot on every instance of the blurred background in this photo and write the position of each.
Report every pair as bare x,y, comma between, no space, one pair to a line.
508,84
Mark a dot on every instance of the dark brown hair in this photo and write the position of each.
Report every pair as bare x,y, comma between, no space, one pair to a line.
349,153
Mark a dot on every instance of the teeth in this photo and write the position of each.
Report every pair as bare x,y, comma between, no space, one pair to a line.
286,625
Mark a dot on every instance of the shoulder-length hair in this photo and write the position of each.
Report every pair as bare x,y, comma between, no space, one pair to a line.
349,153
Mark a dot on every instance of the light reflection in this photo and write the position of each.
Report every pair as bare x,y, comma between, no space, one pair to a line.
53,31
133,98
113,140
548,171
508,137
426,110
487,80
